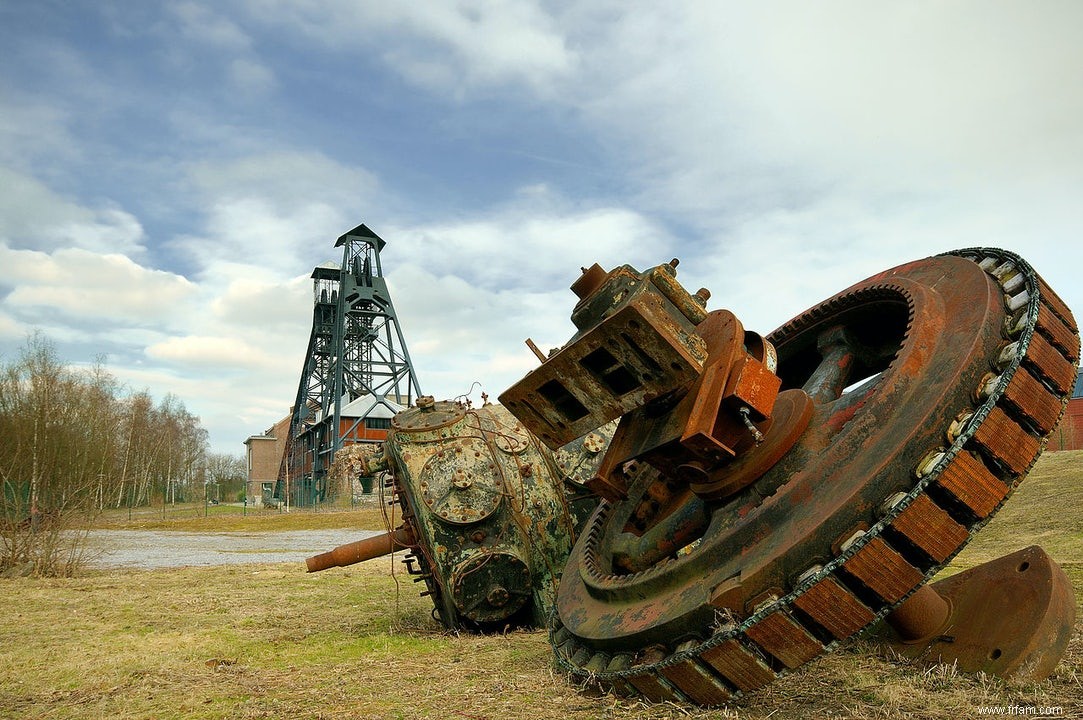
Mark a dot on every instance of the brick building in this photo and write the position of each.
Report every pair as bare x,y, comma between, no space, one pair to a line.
362,421
263,455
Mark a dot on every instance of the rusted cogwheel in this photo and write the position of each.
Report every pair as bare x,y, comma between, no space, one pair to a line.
934,386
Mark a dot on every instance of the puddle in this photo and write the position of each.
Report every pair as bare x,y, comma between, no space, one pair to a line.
149,549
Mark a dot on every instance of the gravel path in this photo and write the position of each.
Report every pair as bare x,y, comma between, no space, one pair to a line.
148,549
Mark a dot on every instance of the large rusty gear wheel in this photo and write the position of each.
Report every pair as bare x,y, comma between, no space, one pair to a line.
933,387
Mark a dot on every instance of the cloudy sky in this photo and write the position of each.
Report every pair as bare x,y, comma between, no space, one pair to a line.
171,172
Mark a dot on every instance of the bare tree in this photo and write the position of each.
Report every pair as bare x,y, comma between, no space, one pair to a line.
75,442
228,473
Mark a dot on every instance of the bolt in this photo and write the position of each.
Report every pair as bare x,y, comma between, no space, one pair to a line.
593,443
756,434
498,596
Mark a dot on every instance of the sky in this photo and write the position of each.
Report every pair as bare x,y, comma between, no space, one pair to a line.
171,172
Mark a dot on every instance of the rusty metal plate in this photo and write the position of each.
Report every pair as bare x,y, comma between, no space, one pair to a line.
646,346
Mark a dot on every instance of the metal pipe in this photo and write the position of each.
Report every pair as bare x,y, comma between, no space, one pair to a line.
922,616
355,552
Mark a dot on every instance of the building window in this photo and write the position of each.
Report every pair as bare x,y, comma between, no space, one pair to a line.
378,423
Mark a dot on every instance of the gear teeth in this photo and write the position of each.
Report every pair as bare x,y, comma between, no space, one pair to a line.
1060,334
581,656
741,667
930,528
969,481
597,663
1006,442
654,688
882,569
619,662
619,686
566,650
834,608
647,682
1050,365
784,639
1051,300
698,682
1027,396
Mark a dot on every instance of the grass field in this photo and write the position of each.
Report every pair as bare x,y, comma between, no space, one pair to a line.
269,641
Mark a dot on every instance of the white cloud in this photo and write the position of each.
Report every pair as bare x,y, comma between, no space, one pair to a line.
197,32
31,128
230,409
956,87
262,306
199,23
10,328
446,47
782,151
469,293
725,106
277,210
81,284
287,179
251,78
458,332
32,215
200,351
529,246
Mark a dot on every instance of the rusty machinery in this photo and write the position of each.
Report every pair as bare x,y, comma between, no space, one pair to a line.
767,498
488,513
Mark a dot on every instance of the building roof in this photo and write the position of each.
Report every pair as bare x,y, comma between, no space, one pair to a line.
367,406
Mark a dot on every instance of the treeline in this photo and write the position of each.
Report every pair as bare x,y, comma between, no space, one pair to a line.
80,440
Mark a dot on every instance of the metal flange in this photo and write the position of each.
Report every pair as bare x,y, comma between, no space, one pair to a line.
1012,617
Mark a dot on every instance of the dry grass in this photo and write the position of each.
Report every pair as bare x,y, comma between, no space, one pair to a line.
269,641
56,547
232,518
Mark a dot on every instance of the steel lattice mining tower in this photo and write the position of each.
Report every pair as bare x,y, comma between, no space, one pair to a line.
357,372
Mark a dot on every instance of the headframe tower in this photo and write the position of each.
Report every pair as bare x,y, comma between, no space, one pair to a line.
356,357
